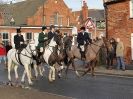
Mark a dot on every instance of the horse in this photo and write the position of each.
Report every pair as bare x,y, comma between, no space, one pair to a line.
92,51
51,55
26,58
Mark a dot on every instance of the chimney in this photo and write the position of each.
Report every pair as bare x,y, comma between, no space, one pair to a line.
84,10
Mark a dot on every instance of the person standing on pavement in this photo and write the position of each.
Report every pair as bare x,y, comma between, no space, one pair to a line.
120,54
2,50
8,47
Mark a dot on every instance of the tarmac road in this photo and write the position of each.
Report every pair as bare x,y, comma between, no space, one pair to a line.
99,87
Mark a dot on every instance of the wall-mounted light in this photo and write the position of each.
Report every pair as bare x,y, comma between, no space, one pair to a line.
56,1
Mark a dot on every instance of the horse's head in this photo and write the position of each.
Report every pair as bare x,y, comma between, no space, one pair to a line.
58,40
31,47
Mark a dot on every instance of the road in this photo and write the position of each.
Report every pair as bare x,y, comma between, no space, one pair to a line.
99,87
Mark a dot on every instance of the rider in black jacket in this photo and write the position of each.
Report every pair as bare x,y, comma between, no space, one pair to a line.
83,39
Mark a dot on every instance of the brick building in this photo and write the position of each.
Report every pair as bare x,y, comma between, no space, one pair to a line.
119,21
32,14
96,15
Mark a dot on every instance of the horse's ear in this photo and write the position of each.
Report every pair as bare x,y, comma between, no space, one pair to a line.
32,41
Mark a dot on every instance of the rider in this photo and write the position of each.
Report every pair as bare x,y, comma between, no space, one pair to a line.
43,37
52,33
18,41
83,40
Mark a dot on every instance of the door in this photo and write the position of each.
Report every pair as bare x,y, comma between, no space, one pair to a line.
132,45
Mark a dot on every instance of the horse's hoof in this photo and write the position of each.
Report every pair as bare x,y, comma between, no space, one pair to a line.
50,80
22,82
59,75
31,84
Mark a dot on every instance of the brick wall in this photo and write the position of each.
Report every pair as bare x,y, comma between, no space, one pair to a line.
120,25
50,7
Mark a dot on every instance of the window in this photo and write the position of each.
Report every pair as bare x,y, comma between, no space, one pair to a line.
51,20
60,21
56,16
68,21
131,8
5,38
28,36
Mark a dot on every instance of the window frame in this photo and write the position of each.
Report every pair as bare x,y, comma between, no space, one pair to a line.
5,40
131,8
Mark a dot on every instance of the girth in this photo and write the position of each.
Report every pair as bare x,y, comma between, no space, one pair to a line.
18,60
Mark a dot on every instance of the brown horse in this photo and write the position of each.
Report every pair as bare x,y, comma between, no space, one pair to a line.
92,51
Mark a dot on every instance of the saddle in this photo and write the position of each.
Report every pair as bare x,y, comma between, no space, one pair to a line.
82,49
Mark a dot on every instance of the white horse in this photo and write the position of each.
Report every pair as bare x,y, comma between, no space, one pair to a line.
25,58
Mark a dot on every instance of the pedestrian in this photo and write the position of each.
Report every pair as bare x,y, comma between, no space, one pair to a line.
120,54
2,53
110,55
8,47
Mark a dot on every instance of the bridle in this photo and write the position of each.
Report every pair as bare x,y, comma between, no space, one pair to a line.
32,51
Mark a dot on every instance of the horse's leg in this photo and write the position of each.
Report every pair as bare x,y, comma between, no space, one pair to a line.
73,65
23,76
50,74
88,68
93,67
35,69
53,74
16,74
28,74
68,65
9,71
41,70
60,71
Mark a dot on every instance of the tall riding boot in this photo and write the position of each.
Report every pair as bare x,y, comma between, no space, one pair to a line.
82,55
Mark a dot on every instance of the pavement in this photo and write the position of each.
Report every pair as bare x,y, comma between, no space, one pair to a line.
101,70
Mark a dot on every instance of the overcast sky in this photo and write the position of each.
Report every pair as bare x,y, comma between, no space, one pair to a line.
76,4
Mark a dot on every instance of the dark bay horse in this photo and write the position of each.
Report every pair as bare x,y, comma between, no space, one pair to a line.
92,51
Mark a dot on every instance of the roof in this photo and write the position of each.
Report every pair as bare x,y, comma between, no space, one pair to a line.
98,14
112,1
24,9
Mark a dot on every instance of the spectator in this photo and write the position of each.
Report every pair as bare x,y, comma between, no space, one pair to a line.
110,55
120,54
8,47
2,53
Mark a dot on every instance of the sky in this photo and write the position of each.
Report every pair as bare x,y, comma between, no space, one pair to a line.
76,4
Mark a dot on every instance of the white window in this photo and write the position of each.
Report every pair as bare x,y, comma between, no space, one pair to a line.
51,20
56,20
5,37
131,8
60,21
